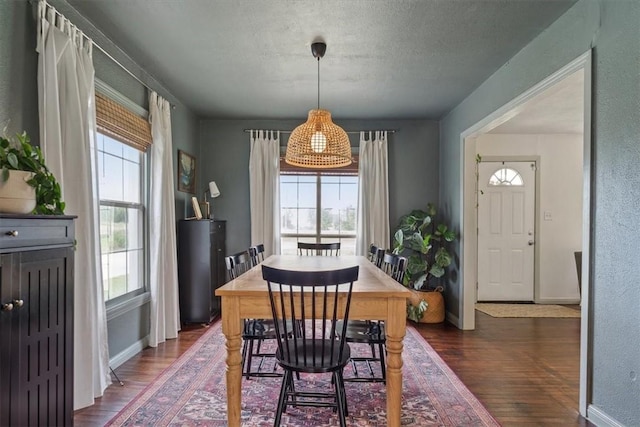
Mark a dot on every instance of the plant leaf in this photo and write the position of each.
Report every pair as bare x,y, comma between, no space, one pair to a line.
436,271
13,160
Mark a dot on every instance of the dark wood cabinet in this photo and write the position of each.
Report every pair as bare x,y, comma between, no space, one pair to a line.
36,320
201,269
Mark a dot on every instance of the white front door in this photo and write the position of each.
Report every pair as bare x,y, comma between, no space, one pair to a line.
506,234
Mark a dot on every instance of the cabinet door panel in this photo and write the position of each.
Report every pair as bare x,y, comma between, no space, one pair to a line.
45,351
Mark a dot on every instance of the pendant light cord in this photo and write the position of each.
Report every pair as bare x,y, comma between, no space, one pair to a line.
318,83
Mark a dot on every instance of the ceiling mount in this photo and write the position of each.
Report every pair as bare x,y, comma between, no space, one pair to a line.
318,143
318,49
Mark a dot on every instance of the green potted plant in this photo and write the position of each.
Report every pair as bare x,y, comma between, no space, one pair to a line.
20,164
422,238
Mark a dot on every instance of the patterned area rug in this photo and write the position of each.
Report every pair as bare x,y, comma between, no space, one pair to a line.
192,392
527,310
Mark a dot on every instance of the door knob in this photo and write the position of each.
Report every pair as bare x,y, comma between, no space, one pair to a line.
12,233
6,307
531,242
17,303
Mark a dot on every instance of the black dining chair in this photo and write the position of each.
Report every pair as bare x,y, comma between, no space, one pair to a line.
254,331
324,249
371,332
311,298
375,255
257,254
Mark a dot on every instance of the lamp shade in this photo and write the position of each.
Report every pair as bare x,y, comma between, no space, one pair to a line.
318,143
213,189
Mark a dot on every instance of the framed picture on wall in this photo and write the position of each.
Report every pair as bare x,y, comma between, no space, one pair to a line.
186,172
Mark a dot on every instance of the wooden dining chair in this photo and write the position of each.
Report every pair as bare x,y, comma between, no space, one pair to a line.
311,298
254,331
323,249
372,331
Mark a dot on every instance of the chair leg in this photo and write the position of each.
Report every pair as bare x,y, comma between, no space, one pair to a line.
292,391
283,396
249,357
341,399
245,346
383,366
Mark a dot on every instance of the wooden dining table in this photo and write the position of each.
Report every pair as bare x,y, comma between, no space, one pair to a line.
375,296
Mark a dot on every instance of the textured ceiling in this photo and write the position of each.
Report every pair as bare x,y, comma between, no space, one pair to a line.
557,110
391,59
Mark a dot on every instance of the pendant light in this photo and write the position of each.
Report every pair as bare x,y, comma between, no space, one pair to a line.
318,143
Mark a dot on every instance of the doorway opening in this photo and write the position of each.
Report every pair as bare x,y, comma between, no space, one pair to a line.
488,139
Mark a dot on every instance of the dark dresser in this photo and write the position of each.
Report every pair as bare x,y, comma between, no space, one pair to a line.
201,269
36,320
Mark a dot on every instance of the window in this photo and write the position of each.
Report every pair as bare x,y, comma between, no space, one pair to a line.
122,224
122,139
318,207
506,176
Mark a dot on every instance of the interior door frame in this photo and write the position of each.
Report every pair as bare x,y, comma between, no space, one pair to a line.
468,240
536,217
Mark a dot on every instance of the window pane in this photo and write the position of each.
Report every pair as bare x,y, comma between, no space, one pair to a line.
111,178
506,176
131,178
306,221
134,229
130,153
289,220
289,246
112,146
135,268
307,195
114,274
289,195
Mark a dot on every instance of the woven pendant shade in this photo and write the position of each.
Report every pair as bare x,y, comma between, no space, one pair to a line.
318,143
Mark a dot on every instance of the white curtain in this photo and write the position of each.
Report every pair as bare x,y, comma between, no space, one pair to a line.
67,138
165,314
373,193
264,183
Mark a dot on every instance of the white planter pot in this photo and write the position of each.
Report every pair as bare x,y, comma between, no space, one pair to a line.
16,196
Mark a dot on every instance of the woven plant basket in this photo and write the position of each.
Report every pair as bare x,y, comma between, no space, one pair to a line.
435,310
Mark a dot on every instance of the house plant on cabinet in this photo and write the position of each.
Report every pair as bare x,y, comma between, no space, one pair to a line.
26,184
422,238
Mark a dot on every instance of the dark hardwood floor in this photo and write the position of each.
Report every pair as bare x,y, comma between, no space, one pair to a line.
525,371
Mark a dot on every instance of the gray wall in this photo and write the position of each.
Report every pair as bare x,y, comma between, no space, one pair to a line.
224,158
611,28
19,107
18,70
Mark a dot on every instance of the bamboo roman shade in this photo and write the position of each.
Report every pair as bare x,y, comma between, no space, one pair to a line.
120,123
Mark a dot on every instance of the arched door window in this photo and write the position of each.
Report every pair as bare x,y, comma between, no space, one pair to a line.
506,176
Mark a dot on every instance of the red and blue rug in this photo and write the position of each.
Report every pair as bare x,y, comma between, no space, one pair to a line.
192,392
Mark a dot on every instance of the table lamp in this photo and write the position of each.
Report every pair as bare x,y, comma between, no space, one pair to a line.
213,192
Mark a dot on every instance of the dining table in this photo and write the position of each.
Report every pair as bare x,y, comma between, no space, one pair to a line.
375,296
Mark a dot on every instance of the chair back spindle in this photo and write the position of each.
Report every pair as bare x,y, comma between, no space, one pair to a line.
257,254
395,266
237,264
375,255
319,249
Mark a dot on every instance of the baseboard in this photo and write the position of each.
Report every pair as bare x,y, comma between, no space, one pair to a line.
600,419
129,352
560,301
453,319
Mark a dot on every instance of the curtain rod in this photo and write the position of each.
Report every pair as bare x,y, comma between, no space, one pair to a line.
351,132
93,43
